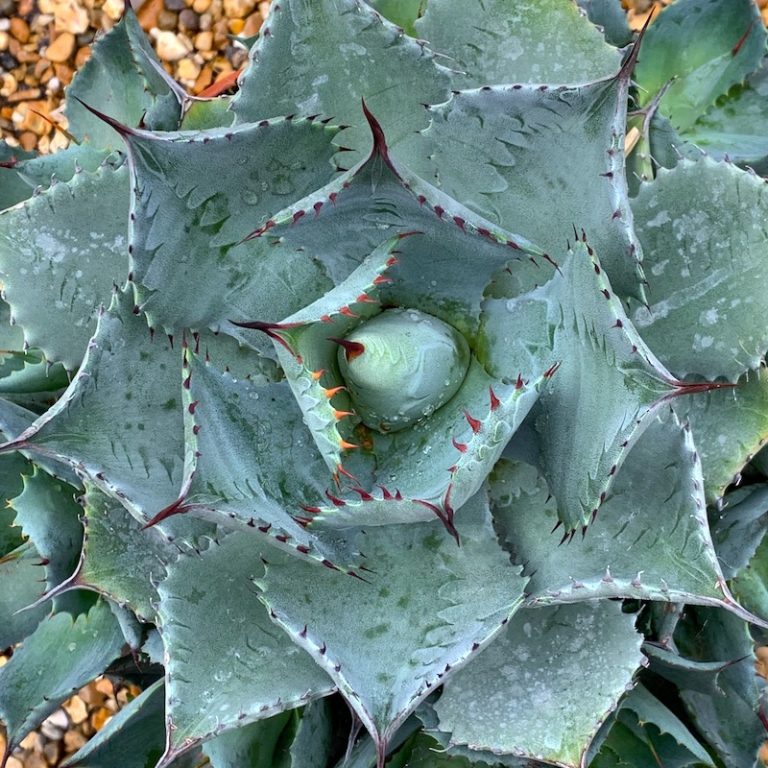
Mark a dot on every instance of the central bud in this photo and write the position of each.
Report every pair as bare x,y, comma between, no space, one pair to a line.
401,366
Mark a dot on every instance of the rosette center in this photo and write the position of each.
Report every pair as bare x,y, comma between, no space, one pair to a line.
401,366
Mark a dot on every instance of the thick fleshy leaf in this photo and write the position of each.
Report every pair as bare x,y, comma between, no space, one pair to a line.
739,527
49,515
13,189
227,665
701,225
187,217
528,41
729,427
734,127
603,394
733,695
133,738
325,57
58,265
401,12
256,745
749,586
44,171
238,433
23,583
119,559
448,602
12,467
120,421
648,733
532,144
707,46
312,745
611,17
521,697
58,658
123,78
650,541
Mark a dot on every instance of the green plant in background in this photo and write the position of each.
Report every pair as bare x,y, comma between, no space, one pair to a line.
399,399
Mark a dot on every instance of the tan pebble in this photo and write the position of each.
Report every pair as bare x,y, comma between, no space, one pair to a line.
87,728
39,69
3,41
24,94
9,85
236,26
201,6
44,147
252,25
63,73
238,9
148,13
204,79
19,29
188,70
204,41
12,761
25,7
113,9
112,705
58,142
35,760
206,21
104,685
73,740
47,6
91,695
264,8
171,47
76,709
70,17
82,55
32,742
28,141
100,718
61,48
52,750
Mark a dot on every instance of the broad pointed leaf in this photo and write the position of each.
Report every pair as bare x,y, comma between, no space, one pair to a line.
521,696
734,126
227,664
58,658
49,515
23,583
58,265
707,46
447,601
507,152
729,426
734,695
12,466
610,16
650,540
119,559
313,743
120,421
238,434
133,738
528,41
14,188
324,57
123,78
187,218
604,392
702,226
256,745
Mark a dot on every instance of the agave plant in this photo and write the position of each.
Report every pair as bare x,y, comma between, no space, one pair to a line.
373,384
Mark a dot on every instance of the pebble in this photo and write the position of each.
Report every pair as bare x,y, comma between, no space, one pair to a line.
171,47
73,740
238,9
188,70
3,41
189,20
61,48
114,9
201,6
76,709
167,20
20,30
69,16
204,41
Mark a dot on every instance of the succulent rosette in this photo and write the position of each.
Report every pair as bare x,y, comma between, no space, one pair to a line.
399,395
